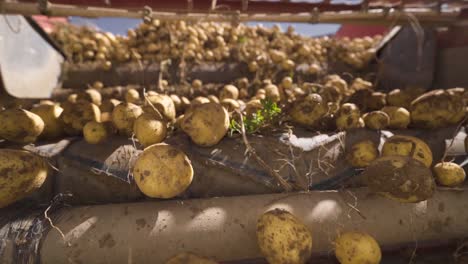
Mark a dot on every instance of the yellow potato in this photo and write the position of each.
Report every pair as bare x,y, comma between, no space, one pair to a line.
399,145
357,248
283,238
360,84
72,98
214,99
132,96
376,120
98,85
348,117
108,105
189,258
20,126
230,104
400,178
287,82
90,95
362,153
162,171
95,132
22,174
376,101
206,124
337,82
123,117
229,92
197,84
149,130
76,115
199,100
309,111
163,103
177,102
399,117
252,107
287,65
449,174
50,114
438,108
403,98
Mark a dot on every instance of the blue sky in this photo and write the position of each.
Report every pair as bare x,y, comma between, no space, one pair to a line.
120,25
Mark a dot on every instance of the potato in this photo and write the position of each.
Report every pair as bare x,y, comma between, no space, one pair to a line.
362,153
132,96
357,248
229,92
199,100
98,85
336,81
399,145
399,117
123,117
149,130
331,94
197,84
162,171
287,82
449,174
46,102
90,95
438,108
287,65
376,101
214,99
108,105
403,98
50,114
400,178
163,103
96,132
76,115
20,126
376,120
72,98
348,117
252,107
177,102
231,105
309,111
189,258
282,238
206,124
360,84
22,174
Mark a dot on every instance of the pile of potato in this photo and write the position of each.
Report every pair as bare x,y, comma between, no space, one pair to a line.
259,47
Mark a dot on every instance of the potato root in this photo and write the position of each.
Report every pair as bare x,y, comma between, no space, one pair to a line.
357,248
283,238
162,171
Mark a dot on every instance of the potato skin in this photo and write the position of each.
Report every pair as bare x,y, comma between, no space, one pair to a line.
149,130
282,238
399,145
164,104
162,171
362,153
76,115
95,132
50,114
449,174
206,124
309,111
399,117
229,92
21,174
438,108
189,258
400,178
348,117
376,120
20,126
132,96
357,248
123,117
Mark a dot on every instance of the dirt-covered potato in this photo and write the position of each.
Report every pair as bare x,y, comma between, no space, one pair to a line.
20,126
252,107
162,171
206,124
123,117
132,96
438,108
400,178
229,92
199,100
22,173
403,98
273,93
90,95
348,117
331,94
357,248
189,258
108,105
96,132
400,145
230,104
399,117
309,111
360,84
149,130
76,115
449,174
213,98
376,101
50,114
362,153
336,81
376,120
283,238
163,103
